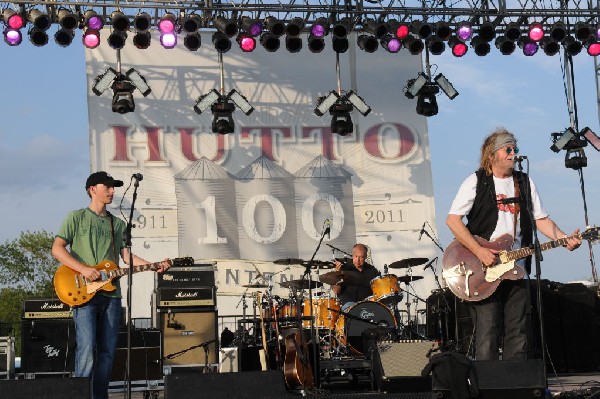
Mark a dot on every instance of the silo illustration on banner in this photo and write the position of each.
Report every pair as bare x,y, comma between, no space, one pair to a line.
324,197
265,211
208,228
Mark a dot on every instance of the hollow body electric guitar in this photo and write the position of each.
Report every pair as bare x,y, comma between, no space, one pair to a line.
469,280
74,289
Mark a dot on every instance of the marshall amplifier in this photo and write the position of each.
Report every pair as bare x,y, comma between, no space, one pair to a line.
45,308
199,275
185,297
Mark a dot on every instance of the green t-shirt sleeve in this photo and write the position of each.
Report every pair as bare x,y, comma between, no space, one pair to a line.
67,229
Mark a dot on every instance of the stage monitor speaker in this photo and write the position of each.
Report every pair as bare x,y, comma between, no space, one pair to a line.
184,332
501,379
249,384
47,345
397,366
46,388
145,356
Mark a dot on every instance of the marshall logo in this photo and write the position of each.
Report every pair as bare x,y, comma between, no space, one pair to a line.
53,306
51,351
365,314
186,294
167,277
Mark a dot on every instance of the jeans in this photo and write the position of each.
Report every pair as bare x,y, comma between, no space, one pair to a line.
97,330
504,315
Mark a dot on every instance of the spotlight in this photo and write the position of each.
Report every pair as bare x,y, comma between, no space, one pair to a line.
390,43
39,19
487,31
92,20
426,102
341,122
358,103
123,87
560,140
558,31
275,26
582,31
192,23
67,19
480,46
119,21
414,45
142,40
443,30
226,26
414,86
435,45
399,29
339,108
320,28
64,37
464,31
324,103
168,40
206,101
222,121
294,27
192,41
251,26
593,47
38,37
315,44
549,45
422,29
446,86
367,43
117,39
12,19
293,44
221,42
513,31
142,22
377,28
339,44
270,42
167,23
572,46
13,37
536,31
528,46
459,48
246,42
342,27
222,108
591,137
90,38
505,45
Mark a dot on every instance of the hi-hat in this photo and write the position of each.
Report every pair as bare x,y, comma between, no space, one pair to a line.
300,284
407,279
408,262
256,285
344,277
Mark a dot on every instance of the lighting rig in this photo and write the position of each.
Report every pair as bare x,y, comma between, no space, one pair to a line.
426,90
573,143
123,86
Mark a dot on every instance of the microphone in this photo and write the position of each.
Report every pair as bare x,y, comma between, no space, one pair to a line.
328,229
138,176
519,158
422,231
430,263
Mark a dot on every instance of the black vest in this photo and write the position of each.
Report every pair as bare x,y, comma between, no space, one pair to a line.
483,217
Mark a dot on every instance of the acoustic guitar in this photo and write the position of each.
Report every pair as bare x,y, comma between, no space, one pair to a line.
469,280
296,366
73,289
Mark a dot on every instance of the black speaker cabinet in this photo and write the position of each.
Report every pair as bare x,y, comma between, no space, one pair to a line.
46,388
397,366
449,320
145,356
184,333
47,345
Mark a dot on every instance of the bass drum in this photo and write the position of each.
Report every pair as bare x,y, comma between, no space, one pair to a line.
360,317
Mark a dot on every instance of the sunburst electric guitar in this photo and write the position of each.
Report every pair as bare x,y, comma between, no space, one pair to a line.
469,280
74,289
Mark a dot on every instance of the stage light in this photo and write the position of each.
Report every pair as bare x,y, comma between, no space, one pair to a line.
92,20
435,45
487,31
221,42
320,28
251,26
240,101
12,20
167,23
104,81
572,45
67,19
422,29
443,30
206,100
558,31
582,31
275,26
192,23
13,37
270,42
400,29
293,44
169,39
480,46
294,27
426,102
142,40
38,37
446,86
117,39
90,38
222,108
593,47
505,45
339,44
549,45
536,31
390,43
513,31
358,103
377,28
192,41
591,137
39,19
222,121
339,108
142,22
342,28
414,86
246,42
119,21
560,140
414,45
368,43
528,46
123,87
324,103
315,44
64,37
459,48
226,26
341,121
464,31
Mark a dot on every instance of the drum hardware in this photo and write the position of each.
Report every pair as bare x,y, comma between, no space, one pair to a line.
337,249
408,279
408,262
301,284
343,277
256,285
288,261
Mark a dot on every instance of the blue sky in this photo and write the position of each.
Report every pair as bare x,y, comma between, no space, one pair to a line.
44,150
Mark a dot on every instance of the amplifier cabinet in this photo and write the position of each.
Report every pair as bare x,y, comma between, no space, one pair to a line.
198,275
145,355
7,357
189,335
170,297
45,308
47,345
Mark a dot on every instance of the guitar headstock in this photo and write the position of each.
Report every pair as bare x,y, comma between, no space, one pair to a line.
185,261
592,234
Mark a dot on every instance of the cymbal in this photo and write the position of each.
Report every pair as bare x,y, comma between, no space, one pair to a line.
288,261
320,264
407,279
344,277
300,284
256,285
408,262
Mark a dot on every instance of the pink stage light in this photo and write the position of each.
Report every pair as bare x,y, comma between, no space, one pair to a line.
91,38
536,31
246,42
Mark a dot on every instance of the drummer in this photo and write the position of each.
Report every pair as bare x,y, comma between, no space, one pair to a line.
351,294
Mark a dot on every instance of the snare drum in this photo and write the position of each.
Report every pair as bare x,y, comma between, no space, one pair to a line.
386,289
323,316
363,315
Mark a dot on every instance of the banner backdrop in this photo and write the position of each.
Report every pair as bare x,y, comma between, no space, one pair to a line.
269,190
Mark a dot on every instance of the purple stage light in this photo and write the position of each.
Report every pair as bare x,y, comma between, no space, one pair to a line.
530,48
168,40
317,31
13,37
167,24
536,32
96,23
91,38
464,32
393,45
255,29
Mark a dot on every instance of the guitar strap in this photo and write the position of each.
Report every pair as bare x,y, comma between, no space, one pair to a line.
517,207
112,237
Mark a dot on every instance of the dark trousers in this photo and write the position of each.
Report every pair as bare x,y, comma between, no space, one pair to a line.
502,317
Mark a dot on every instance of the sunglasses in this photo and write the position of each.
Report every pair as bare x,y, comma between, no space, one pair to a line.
510,150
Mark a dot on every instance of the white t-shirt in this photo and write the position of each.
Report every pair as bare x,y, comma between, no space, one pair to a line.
505,188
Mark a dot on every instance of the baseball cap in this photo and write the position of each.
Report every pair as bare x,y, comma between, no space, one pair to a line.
102,178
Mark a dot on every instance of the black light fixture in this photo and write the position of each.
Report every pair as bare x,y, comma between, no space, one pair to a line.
426,90
505,45
142,24
41,22
480,46
123,86
339,107
222,107
368,43
435,45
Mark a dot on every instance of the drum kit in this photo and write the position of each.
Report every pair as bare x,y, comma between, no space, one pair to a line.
339,333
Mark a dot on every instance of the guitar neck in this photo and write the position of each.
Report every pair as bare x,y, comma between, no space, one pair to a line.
136,269
526,251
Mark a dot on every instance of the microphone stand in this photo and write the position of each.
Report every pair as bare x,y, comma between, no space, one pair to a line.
128,244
